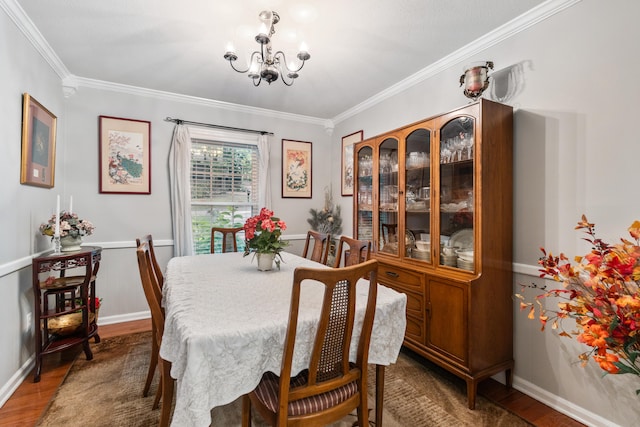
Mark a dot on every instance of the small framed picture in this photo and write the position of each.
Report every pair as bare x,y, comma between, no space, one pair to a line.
125,156
296,169
38,144
347,162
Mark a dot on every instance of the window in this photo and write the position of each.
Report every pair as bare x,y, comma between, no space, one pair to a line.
224,188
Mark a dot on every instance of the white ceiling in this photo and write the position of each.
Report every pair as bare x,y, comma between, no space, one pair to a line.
358,48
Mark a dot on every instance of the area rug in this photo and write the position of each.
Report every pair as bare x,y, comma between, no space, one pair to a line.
107,391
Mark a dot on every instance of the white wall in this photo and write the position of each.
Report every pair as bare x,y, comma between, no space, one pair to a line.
576,151
22,208
573,78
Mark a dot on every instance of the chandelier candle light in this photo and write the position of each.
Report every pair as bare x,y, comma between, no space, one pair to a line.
264,64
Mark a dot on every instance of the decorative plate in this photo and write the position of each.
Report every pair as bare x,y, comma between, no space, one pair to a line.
462,238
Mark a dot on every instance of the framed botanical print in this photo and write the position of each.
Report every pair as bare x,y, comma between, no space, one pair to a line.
296,169
125,156
38,163
347,178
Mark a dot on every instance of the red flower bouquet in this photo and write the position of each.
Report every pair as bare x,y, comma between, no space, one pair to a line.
263,232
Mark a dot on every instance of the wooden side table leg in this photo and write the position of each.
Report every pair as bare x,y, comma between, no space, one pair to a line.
87,349
38,370
379,393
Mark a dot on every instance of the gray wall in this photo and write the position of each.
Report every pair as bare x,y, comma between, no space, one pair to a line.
570,79
575,151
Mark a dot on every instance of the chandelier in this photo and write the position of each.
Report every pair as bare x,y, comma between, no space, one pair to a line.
264,64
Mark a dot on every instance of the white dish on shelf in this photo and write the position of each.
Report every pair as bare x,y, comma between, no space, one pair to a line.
466,265
462,238
465,254
423,245
421,255
451,261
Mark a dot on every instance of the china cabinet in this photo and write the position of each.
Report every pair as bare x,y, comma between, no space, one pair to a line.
435,199
64,287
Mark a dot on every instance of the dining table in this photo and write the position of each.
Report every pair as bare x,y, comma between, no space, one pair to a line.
226,322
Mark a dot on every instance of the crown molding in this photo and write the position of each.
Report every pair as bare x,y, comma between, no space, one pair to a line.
31,32
516,25
72,82
169,96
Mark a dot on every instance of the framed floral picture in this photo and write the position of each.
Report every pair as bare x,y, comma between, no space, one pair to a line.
347,179
38,144
125,156
296,169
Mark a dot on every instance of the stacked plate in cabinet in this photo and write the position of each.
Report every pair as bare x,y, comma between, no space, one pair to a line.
421,254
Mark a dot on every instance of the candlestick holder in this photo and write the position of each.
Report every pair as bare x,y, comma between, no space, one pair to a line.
56,245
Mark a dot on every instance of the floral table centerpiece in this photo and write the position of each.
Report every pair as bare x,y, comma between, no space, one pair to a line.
72,229
601,292
262,233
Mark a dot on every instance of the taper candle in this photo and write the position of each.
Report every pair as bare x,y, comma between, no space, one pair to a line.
70,204
57,230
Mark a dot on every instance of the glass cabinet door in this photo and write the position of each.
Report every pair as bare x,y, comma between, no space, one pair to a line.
388,196
457,193
363,185
417,193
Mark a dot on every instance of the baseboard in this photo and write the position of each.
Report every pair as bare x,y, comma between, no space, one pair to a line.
121,318
21,374
561,405
14,382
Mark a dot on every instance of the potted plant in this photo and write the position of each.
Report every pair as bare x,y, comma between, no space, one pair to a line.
263,238
72,229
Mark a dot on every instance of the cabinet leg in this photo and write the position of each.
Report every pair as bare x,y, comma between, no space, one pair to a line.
508,377
472,387
96,337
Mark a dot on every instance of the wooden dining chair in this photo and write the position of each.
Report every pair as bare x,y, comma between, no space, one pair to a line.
356,251
153,294
155,348
332,386
228,238
148,239
321,245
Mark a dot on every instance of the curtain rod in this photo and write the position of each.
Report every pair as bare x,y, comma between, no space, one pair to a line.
209,125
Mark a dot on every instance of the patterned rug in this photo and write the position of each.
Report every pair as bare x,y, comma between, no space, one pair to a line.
107,391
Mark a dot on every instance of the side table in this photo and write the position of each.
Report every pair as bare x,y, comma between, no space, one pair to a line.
64,287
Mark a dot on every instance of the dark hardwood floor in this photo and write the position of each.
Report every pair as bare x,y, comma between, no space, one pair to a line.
30,399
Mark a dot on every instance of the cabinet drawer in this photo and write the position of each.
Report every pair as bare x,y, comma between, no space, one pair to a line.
401,278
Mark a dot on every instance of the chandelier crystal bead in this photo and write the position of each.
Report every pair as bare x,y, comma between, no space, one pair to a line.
264,64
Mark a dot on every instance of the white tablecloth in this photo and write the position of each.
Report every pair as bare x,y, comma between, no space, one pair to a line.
226,322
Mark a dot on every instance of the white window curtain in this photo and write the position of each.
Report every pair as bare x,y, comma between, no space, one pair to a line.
265,173
179,175
180,170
